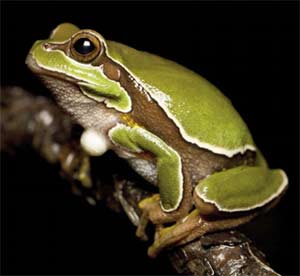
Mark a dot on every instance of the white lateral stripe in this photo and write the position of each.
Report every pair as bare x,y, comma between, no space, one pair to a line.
269,199
213,148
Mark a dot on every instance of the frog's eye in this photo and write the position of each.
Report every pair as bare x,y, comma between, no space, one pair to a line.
85,47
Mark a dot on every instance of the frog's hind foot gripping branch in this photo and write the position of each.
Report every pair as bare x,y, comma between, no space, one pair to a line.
190,228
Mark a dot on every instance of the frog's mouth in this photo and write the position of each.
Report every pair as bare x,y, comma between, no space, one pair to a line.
41,72
86,111
64,87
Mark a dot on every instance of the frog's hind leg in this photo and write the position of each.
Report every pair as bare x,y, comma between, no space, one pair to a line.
243,187
191,227
240,189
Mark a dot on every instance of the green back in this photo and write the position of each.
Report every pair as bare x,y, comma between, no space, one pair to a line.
203,114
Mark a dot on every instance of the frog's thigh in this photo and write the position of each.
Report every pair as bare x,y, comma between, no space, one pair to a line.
169,170
239,189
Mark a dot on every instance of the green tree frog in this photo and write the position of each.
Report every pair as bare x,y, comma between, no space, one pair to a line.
172,126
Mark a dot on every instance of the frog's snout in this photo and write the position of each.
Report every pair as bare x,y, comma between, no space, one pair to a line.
46,46
32,64
30,60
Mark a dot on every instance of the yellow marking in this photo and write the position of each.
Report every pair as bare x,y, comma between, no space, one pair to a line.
127,119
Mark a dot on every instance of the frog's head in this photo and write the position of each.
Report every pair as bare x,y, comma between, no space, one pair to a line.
71,63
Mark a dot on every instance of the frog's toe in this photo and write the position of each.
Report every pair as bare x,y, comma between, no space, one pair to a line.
141,229
153,251
148,202
163,238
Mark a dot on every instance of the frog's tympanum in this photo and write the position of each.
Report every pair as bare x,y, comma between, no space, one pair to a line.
173,127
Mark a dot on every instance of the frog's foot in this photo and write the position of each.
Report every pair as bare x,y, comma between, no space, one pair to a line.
191,227
152,211
148,206
75,165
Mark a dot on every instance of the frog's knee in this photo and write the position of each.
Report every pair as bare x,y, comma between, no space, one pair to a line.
204,208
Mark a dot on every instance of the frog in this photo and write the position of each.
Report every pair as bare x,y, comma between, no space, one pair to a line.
173,127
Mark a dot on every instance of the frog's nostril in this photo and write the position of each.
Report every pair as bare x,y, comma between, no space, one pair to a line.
46,46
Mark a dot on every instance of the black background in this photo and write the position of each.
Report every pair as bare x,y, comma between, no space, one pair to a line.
248,49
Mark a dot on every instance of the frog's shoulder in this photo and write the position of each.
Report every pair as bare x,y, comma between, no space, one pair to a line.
202,113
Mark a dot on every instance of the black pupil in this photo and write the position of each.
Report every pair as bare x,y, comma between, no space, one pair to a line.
84,46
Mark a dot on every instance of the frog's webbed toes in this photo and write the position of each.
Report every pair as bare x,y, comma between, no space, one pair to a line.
147,207
141,229
75,165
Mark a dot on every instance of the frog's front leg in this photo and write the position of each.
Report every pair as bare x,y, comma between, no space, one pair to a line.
225,200
174,187
153,206
75,161
75,165
152,209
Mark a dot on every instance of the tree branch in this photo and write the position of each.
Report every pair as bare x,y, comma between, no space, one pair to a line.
54,136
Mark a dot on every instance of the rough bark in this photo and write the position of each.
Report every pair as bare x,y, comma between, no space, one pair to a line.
53,135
